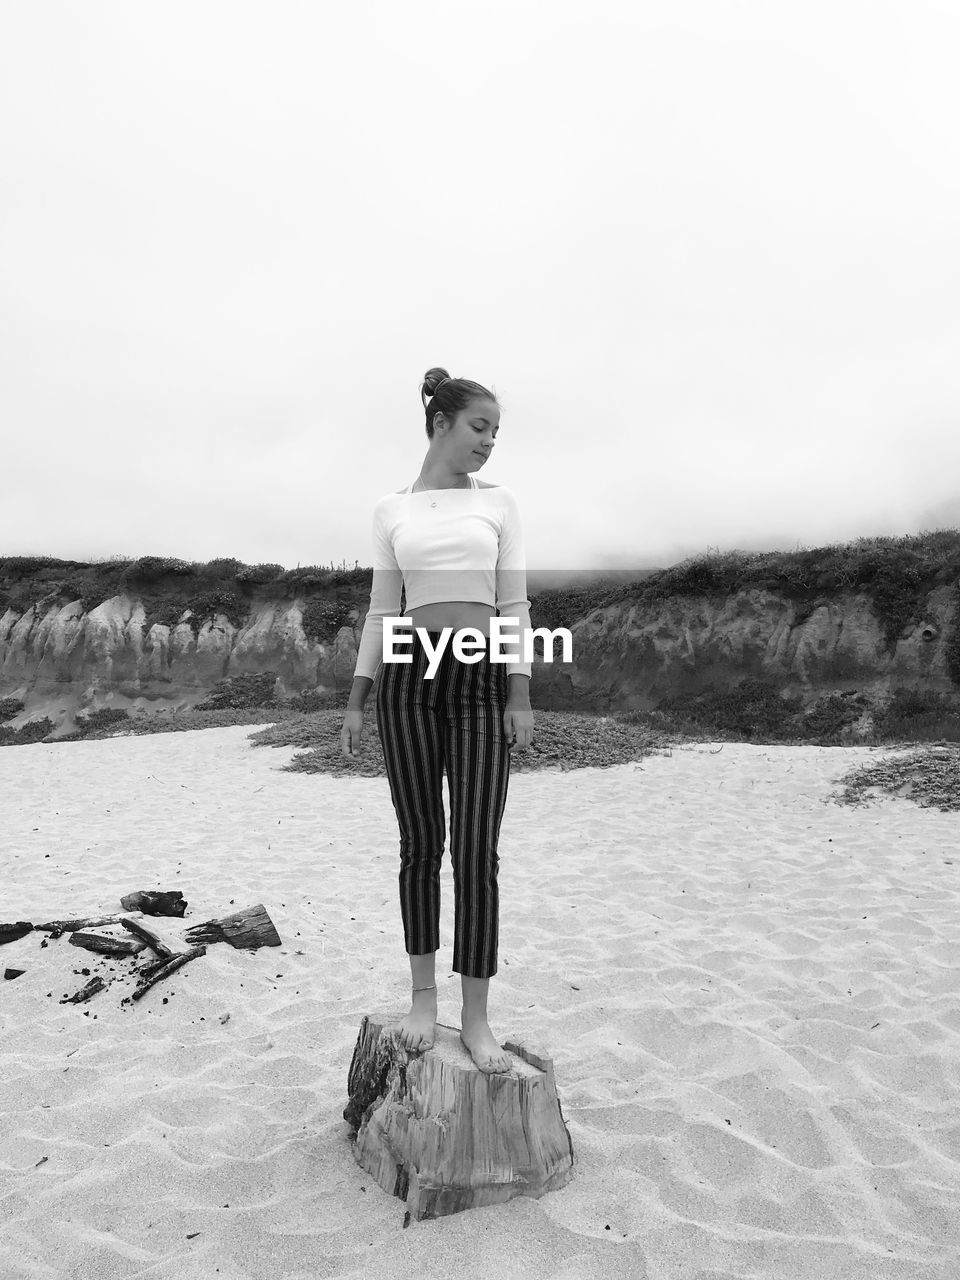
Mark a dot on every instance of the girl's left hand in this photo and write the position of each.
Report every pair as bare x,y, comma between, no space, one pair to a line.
518,725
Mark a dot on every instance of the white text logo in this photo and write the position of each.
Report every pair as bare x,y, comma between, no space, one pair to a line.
470,644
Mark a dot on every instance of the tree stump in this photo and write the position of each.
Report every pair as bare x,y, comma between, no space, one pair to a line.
443,1136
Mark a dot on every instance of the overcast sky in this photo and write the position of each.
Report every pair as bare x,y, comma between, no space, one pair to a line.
705,251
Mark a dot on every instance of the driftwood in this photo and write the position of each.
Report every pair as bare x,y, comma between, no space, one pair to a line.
78,922
248,929
161,942
155,902
158,973
92,987
443,1136
251,928
150,902
11,932
105,944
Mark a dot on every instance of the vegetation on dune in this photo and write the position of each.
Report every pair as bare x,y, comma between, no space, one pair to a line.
32,731
751,711
572,740
929,776
252,689
754,710
562,740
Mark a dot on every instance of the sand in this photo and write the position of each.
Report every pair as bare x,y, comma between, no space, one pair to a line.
750,995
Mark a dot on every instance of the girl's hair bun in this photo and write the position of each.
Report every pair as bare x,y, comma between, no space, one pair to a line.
431,381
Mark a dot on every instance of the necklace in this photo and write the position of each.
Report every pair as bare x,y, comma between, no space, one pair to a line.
433,501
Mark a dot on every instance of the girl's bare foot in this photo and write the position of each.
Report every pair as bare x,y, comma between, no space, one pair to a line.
418,1028
476,1035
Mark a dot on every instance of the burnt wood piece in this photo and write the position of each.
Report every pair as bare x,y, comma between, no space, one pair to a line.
78,922
105,944
92,987
162,946
251,928
164,971
155,902
11,932
443,1136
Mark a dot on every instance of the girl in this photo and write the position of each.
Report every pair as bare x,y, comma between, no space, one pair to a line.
454,545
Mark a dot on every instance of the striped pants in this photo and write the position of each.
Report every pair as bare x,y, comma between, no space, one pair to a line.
452,722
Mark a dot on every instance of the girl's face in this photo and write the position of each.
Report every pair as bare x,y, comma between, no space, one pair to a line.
474,431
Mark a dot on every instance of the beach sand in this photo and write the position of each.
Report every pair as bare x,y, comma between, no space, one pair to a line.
749,993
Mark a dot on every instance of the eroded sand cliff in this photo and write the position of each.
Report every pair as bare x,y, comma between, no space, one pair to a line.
634,653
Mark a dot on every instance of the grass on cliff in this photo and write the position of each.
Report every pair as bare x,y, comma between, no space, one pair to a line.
172,591
895,573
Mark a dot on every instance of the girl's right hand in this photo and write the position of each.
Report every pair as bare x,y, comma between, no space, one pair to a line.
352,732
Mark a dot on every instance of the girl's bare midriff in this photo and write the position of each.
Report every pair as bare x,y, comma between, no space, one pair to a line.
453,613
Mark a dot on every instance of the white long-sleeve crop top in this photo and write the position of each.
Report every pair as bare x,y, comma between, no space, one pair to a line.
446,544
